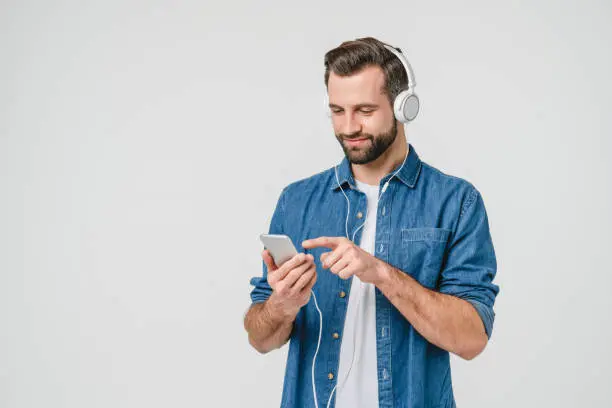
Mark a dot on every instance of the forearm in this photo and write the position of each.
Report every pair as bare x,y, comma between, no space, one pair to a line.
267,328
444,320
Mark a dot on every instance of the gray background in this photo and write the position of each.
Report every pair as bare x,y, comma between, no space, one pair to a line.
143,146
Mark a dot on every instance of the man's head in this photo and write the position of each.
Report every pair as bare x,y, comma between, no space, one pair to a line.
362,79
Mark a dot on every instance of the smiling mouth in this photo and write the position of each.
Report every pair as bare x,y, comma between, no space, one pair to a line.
353,142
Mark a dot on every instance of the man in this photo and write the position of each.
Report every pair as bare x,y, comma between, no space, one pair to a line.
401,279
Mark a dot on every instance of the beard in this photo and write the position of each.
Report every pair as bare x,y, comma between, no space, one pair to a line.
371,149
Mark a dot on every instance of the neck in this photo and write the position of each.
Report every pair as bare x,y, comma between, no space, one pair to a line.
371,173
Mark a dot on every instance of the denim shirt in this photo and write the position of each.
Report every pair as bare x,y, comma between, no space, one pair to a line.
429,225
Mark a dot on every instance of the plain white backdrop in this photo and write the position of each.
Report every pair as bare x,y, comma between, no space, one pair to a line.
143,146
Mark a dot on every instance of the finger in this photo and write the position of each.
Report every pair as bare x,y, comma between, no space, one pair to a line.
268,260
304,279
293,275
294,262
346,273
328,242
309,285
297,260
340,265
333,257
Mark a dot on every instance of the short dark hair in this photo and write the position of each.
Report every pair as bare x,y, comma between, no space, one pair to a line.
350,57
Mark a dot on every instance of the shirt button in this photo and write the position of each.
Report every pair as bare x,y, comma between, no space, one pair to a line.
330,376
384,210
359,214
342,294
336,335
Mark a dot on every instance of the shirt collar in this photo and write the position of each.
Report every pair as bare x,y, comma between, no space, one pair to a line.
408,174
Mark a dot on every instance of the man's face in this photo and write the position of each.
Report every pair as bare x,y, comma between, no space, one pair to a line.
362,116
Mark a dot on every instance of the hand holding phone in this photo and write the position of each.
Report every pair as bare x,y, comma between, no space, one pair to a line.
291,275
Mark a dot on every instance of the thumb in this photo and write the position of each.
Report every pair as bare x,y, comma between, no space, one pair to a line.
269,261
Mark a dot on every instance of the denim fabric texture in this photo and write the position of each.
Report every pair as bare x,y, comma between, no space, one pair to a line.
431,226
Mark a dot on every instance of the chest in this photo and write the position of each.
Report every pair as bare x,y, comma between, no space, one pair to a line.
406,230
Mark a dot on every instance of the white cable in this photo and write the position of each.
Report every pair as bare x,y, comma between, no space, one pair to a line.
348,202
354,348
314,388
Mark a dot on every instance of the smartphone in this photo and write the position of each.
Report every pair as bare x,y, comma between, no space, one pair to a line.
280,246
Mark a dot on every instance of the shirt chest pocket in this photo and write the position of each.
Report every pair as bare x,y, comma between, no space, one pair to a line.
422,253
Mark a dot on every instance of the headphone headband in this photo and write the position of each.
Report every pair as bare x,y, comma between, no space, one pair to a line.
406,64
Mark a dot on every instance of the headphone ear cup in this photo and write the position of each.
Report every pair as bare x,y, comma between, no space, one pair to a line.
406,106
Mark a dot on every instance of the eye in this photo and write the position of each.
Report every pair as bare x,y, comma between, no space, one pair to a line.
367,111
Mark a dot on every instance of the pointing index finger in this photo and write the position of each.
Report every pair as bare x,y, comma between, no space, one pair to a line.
328,242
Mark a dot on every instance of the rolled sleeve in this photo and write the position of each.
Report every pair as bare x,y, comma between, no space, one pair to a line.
262,290
471,264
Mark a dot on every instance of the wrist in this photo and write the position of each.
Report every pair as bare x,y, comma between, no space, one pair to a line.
277,312
385,273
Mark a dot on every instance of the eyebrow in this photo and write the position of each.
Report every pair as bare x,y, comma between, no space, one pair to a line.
358,106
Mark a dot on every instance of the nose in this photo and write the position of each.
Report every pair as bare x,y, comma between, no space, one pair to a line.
350,125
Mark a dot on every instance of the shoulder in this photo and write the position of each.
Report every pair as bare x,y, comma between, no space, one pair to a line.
314,184
447,185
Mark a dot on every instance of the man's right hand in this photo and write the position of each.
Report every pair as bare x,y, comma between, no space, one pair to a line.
291,283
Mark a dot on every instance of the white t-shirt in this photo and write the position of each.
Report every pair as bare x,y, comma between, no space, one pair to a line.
360,388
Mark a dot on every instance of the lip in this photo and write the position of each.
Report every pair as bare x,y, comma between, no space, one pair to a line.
355,142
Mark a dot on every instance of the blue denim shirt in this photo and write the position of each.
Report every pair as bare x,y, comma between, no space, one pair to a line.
429,225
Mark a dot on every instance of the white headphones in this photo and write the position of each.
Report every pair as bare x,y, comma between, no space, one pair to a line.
406,104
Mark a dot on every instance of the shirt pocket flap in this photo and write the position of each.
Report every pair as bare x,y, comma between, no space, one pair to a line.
425,234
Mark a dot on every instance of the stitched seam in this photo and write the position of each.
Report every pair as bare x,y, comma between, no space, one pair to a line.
444,399
282,209
425,234
468,202
416,174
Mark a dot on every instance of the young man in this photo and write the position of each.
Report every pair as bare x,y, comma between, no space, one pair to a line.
398,255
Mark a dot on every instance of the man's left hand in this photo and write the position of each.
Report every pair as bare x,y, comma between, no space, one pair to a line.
347,259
